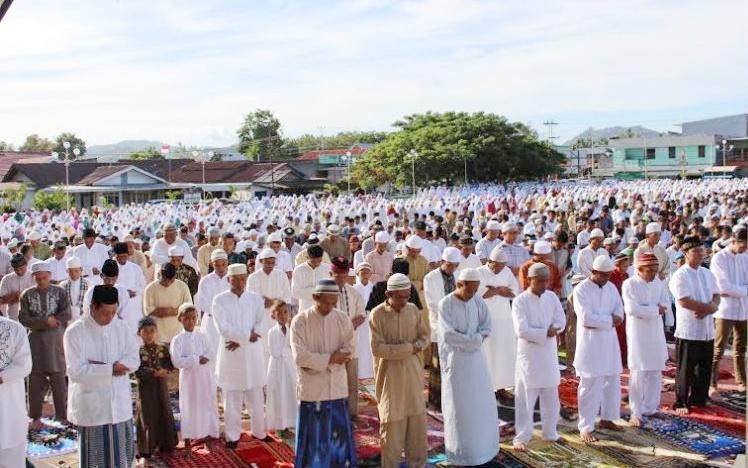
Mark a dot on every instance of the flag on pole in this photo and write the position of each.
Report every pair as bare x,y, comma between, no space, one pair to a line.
165,150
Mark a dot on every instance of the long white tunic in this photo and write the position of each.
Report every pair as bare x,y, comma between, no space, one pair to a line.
281,380
197,385
645,336
433,290
210,286
14,283
91,258
587,257
59,268
15,365
95,396
132,278
731,272
124,299
160,252
500,346
471,261
304,280
236,317
537,354
598,353
273,286
365,358
471,423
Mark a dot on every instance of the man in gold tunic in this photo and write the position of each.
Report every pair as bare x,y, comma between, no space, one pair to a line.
398,335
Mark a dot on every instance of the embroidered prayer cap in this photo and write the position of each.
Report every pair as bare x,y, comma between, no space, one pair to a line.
236,269
214,232
647,259
326,286
542,247
103,294
168,227
40,267
73,262
364,266
18,260
653,228
289,233
176,251
498,255
120,248
493,225
508,226
414,242
275,237
466,240
184,308
146,321
340,265
597,232
469,274
603,264
60,245
218,254
690,243
451,255
266,253
382,237
333,229
110,269
312,239
609,241
538,269
398,282
34,236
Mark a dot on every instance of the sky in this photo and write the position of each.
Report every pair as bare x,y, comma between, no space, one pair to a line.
189,71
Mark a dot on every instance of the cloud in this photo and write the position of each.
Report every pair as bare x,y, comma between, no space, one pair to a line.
176,71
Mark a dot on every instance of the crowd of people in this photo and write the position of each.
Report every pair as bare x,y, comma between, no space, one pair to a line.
283,304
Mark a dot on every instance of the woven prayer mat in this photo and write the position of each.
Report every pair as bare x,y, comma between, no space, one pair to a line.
53,440
218,457
567,392
552,455
503,460
264,455
694,436
734,401
721,418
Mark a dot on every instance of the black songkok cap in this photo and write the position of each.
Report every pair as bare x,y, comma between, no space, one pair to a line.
168,271
120,248
18,260
110,269
103,294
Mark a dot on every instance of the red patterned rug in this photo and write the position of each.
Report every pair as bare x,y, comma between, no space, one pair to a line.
263,455
218,457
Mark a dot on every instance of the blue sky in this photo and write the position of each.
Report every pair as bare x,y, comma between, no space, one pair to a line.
188,71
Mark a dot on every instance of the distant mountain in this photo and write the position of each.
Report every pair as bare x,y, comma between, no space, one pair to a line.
608,132
122,148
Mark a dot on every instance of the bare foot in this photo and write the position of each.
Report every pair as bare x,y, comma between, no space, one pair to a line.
36,424
587,437
681,411
714,395
610,425
561,441
520,447
635,422
741,388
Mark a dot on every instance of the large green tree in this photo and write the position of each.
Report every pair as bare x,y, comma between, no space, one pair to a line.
4,146
260,136
447,145
293,147
36,143
75,142
148,153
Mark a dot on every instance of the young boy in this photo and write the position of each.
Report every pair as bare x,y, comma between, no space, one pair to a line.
281,376
155,421
197,385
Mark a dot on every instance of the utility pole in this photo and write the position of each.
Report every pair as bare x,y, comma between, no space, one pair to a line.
550,124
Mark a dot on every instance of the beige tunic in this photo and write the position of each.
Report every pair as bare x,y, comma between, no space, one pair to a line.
399,373
155,296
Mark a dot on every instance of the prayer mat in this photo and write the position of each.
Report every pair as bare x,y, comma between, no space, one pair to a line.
733,400
694,436
264,455
567,392
547,454
718,417
671,370
53,440
218,457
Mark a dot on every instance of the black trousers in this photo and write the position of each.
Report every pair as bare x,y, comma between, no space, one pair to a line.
694,359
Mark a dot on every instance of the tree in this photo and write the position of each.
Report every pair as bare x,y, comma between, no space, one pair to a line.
148,153
260,136
75,142
14,197
486,146
50,200
5,146
35,143
293,147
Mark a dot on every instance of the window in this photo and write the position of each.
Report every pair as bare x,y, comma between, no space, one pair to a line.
702,151
671,152
650,153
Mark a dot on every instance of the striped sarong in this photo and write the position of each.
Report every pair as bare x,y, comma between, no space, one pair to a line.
324,435
107,446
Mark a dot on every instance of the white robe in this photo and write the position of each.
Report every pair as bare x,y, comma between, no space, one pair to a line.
123,298
537,353
96,397
731,272
160,252
197,385
15,366
235,318
365,358
274,286
304,280
59,268
210,286
587,257
14,283
500,347
90,259
598,353
132,278
471,422
281,381
471,261
645,336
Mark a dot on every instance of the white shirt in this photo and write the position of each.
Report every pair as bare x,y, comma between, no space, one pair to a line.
123,298
471,261
598,353
236,318
96,397
484,247
304,280
583,238
645,336
59,268
160,252
15,365
91,258
700,285
731,272
587,257
210,286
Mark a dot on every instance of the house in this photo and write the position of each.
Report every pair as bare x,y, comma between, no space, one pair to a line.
664,156
329,164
